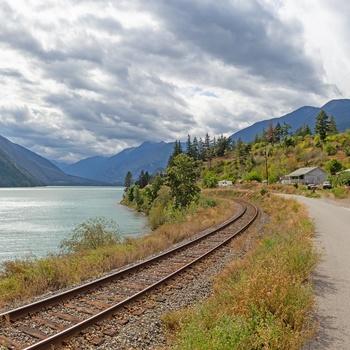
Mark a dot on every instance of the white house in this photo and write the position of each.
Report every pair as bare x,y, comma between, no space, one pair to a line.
309,175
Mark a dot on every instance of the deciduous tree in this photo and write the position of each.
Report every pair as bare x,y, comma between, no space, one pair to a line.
181,178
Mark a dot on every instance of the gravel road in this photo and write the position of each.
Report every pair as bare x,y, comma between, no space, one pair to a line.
332,276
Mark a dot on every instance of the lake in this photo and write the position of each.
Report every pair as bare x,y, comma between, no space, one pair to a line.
35,220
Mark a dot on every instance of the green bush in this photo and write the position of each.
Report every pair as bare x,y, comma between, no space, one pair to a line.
330,149
210,180
95,233
263,191
159,211
334,166
340,192
253,176
208,202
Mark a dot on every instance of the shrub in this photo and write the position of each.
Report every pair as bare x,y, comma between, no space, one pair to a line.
210,180
253,176
330,149
208,202
340,192
263,191
273,179
333,166
95,233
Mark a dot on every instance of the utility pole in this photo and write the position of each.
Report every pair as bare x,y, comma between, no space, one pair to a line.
267,172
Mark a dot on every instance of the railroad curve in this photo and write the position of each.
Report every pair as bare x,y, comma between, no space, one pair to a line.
49,322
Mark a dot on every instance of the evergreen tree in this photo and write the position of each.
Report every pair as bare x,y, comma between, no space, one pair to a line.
232,145
303,131
207,143
263,135
201,149
177,150
277,133
240,150
222,146
322,125
208,148
333,130
189,147
256,139
195,149
285,130
144,179
307,130
128,181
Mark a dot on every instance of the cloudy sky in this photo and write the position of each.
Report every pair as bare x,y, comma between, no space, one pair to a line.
80,78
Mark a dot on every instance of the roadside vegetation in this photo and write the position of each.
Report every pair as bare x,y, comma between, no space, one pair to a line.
265,299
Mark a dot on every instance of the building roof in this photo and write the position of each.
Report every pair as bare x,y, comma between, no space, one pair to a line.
303,171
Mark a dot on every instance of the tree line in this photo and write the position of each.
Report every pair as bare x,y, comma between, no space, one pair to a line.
183,167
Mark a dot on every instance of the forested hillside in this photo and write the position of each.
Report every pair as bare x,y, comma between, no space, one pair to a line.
21,167
337,109
272,155
11,175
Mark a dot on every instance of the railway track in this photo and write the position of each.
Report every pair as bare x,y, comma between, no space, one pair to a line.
49,322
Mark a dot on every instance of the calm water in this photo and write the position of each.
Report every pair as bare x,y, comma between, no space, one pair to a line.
35,220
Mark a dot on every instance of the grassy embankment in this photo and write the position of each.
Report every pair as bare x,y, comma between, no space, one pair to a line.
263,301
26,278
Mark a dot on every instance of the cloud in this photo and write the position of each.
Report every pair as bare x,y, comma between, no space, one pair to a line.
82,77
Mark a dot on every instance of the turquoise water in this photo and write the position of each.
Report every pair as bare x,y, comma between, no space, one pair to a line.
35,220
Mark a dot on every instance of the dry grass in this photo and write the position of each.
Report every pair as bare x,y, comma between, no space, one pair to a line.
26,278
262,301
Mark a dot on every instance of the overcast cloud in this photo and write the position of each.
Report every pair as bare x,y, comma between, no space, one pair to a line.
80,78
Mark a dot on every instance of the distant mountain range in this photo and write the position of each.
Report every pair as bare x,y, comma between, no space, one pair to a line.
19,167
340,109
149,156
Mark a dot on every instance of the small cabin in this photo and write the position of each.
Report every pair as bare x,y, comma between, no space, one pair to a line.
308,175
225,183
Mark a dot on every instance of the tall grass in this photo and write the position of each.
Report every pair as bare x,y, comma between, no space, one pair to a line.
262,301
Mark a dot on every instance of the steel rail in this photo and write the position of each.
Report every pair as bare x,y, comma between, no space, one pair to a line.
73,330
55,299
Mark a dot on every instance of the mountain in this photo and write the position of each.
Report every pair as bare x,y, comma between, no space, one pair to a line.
340,109
13,175
149,156
20,167
88,166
